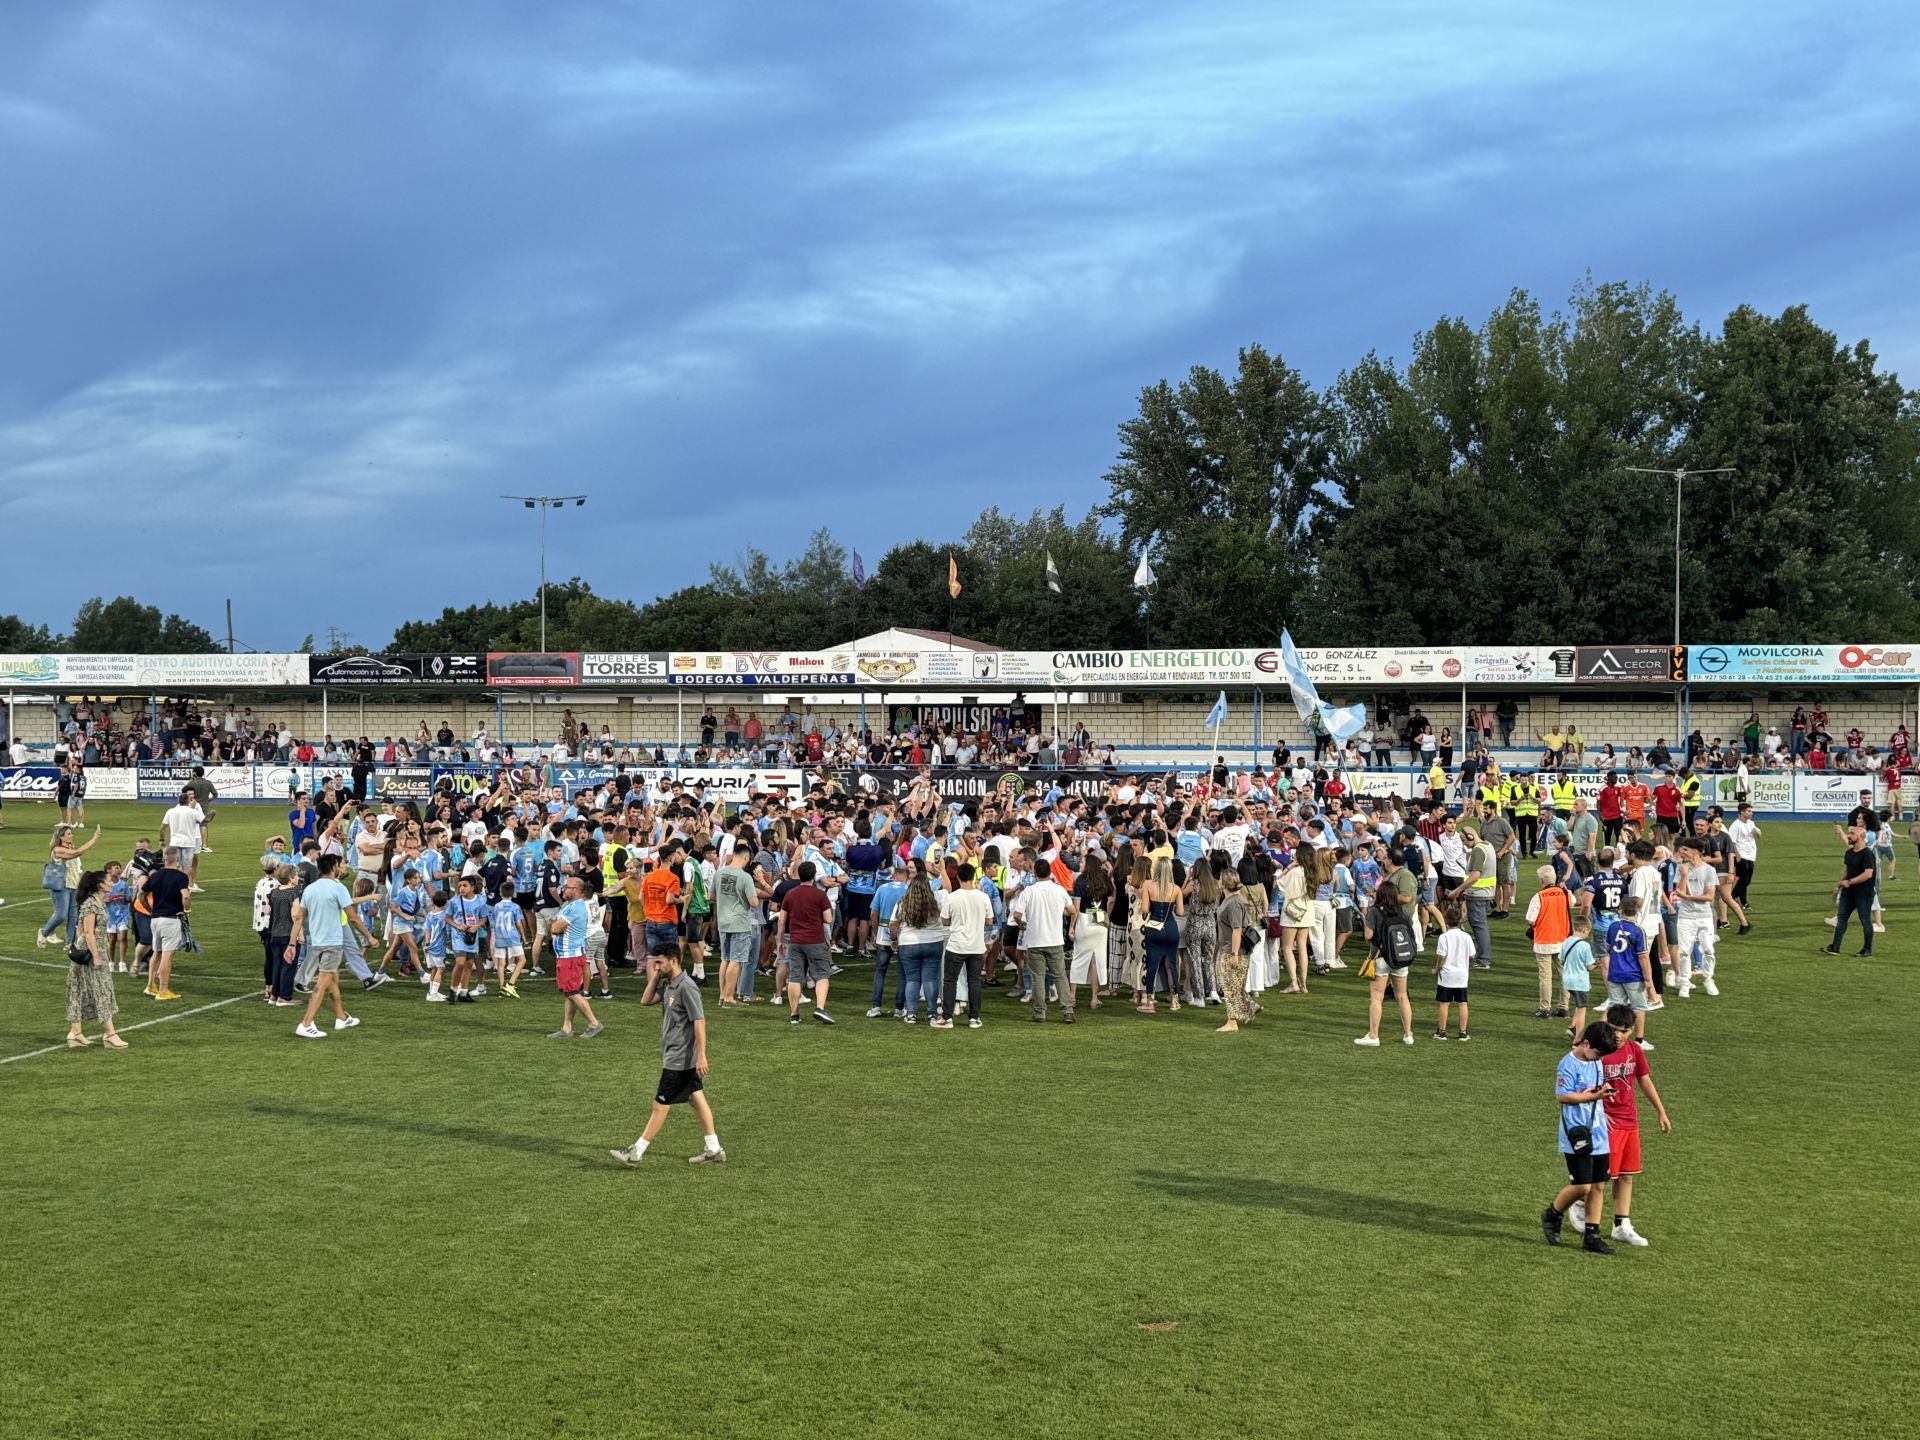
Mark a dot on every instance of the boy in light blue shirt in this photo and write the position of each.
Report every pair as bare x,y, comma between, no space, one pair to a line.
1580,1087
1576,970
886,899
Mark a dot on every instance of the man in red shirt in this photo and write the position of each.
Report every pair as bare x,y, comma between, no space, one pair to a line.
1633,799
1611,808
1627,1069
806,912
1666,802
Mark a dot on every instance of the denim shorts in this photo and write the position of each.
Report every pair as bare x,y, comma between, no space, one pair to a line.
739,946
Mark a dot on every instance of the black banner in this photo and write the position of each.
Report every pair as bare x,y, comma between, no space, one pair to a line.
384,670
404,782
1630,665
976,782
969,719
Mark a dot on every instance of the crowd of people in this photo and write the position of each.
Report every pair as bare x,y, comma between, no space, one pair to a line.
1233,889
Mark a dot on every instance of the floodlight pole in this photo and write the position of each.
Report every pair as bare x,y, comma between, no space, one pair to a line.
544,503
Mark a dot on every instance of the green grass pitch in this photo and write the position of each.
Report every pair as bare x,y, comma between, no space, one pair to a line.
1131,1227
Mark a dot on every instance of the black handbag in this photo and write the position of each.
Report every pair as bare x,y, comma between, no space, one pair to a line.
79,955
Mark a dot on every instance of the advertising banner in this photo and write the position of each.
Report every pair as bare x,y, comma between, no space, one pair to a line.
466,779
1522,665
112,783
29,782
1631,665
1806,664
403,783
1832,794
140,672
634,668
164,780
1766,790
734,786
383,670
534,668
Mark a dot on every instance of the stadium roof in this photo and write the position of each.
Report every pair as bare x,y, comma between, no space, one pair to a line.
900,638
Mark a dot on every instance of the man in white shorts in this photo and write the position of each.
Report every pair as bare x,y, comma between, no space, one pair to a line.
183,825
1695,887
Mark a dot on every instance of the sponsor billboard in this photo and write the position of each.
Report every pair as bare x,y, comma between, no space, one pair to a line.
631,668
533,668
1806,664
723,681
399,669
403,782
112,783
1831,793
733,785
970,719
164,780
1520,665
136,672
29,782
976,782
1630,664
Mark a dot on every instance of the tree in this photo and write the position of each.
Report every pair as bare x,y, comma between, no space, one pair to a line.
1226,477
17,637
125,626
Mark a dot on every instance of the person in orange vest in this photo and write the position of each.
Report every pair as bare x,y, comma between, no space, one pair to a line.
1549,922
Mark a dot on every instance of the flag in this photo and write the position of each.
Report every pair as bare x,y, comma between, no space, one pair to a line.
1143,576
953,577
1053,574
1217,716
859,572
1341,722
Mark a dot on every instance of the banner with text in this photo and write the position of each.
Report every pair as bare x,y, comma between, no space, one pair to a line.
1806,664
393,670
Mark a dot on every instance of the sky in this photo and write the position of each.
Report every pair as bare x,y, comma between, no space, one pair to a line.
289,295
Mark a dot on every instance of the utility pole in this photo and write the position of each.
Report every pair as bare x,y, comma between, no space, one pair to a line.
544,503
1680,477
229,627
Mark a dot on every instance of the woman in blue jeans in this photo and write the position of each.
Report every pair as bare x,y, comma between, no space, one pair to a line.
1160,934
61,877
919,935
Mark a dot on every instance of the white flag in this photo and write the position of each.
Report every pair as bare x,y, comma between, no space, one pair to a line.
1053,574
1143,576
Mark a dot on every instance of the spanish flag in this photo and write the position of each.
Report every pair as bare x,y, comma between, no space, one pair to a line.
953,577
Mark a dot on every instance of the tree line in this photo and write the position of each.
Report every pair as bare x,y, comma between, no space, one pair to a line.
1483,491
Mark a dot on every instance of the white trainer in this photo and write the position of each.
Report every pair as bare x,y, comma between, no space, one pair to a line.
309,1032
346,1022
1711,988
873,1013
1669,977
1371,1042
1627,1235
1684,992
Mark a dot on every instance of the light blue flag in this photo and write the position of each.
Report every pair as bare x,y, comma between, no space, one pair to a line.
1342,722
1217,716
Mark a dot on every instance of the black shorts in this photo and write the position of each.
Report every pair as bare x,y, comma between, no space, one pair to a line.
527,900
1588,1169
677,1087
855,906
1449,994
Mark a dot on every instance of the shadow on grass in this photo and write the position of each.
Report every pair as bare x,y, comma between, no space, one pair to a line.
1319,1203
587,1156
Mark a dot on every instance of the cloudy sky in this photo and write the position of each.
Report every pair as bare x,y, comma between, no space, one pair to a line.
284,287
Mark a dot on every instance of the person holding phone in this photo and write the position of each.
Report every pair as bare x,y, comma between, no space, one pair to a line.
1580,1088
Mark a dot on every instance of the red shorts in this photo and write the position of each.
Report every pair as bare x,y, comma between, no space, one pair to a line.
1623,1152
570,974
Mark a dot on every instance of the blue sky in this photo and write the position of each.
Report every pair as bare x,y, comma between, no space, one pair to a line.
283,281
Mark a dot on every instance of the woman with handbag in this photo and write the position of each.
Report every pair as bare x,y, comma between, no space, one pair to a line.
1093,893
1296,920
58,877
89,981
1234,933
1198,943
1125,953
1162,904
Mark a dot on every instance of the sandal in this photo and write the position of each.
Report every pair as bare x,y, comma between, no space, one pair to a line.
114,1042
78,1042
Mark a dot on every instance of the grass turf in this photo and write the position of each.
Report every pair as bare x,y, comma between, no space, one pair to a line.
1132,1227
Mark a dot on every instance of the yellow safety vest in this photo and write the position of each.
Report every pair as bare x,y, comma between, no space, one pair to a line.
1563,795
1490,880
1490,795
1690,790
1526,805
1511,794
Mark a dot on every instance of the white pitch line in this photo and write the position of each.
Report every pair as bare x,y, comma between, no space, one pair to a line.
126,1029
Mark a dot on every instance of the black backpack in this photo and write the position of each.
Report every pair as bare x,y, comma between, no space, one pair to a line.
1397,943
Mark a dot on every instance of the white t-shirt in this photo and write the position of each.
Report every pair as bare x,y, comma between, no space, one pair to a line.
1456,955
1643,883
1746,839
968,915
1046,902
183,825
1233,840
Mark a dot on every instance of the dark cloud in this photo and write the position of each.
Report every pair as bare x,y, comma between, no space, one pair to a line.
274,280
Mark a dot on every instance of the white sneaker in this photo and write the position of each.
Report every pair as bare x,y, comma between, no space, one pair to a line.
434,997
346,1022
1627,1235
1878,928
1370,1042
1656,1003
874,1013
1831,920
194,889
1684,992
1671,982
1406,1039
1577,1213
309,1032
478,991
973,1024
699,972
1712,989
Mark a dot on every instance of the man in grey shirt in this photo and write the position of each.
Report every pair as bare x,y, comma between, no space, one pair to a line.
1582,840
1497,831
683,1060
734,895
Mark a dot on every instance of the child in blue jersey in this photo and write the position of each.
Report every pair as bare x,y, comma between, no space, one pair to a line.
507,924
119,898
405,908
886,899
1576,971
1629,973
464,917
433,946
366,898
